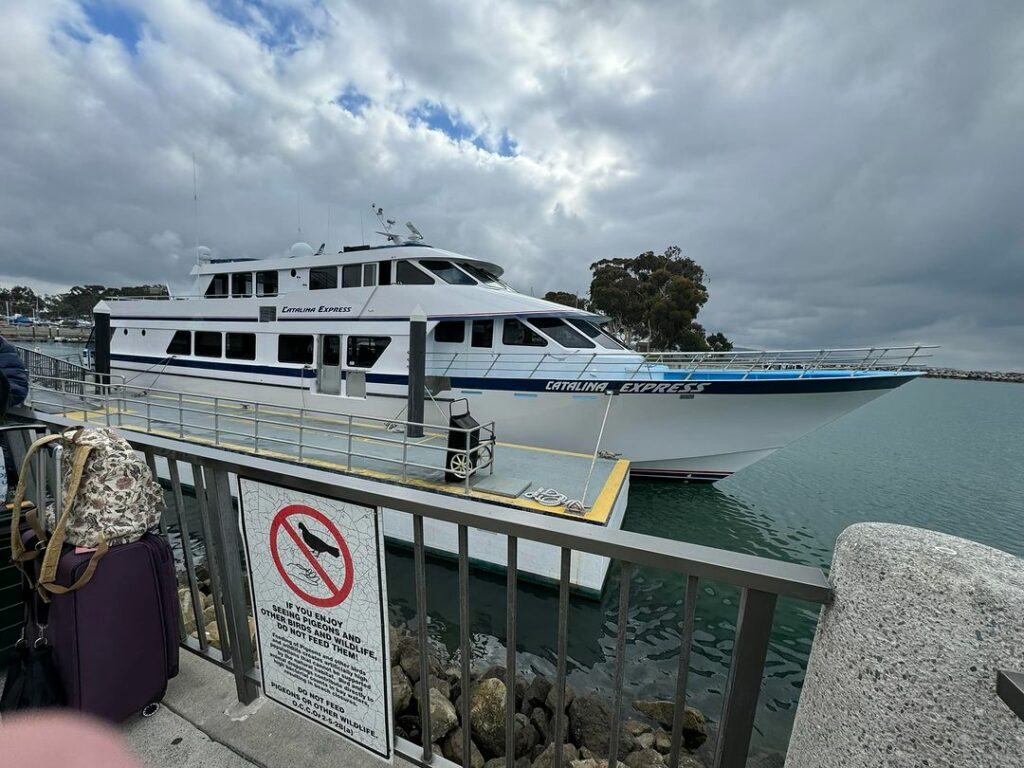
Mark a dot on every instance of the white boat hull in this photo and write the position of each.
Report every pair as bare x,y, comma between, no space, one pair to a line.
707,435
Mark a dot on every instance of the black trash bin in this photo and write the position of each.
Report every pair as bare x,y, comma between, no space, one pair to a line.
456,466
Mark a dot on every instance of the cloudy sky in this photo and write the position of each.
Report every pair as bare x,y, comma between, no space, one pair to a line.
847,174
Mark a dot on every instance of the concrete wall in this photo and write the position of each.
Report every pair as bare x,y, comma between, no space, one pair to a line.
903,667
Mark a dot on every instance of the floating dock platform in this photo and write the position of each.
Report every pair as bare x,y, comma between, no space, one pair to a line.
539,480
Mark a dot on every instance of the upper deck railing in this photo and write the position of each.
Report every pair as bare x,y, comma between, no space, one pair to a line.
216,533
677,366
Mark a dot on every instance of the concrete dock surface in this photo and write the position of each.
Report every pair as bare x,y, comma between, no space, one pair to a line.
201,725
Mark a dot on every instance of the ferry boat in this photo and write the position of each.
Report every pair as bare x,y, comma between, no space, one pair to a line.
331,331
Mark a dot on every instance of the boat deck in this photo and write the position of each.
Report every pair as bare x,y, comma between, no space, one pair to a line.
358,446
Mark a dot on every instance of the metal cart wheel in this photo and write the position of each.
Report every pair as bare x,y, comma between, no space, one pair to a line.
459,466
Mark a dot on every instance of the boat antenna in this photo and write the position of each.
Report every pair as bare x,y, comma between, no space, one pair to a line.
386,225
195,204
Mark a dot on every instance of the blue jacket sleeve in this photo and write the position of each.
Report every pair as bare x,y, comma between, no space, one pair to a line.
14,370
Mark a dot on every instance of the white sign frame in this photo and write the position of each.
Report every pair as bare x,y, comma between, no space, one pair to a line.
289,626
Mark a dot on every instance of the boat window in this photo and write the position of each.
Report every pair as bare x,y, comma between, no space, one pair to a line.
482,274
561,332
218,288
241,284
208,344
322,278
181,343
407,273
330,351
295,348
351,276
365,351
384,272
483,333
450,332
266,283
240,346
369,275
516,334
447,271
602,337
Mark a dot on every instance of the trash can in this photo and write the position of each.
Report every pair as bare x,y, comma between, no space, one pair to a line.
457,464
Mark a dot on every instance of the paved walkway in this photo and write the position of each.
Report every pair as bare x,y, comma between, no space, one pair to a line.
201,725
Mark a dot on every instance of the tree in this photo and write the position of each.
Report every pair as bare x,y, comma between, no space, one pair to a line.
654,299
568,299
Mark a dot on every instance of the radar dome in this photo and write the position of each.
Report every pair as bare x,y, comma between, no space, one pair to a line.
301,249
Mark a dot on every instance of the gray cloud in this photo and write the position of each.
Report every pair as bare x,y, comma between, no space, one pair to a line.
846,175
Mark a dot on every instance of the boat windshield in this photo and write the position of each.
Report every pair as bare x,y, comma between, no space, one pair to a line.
482,274
560,331
447,271
594,332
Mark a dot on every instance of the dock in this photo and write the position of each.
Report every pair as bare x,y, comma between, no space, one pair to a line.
591,490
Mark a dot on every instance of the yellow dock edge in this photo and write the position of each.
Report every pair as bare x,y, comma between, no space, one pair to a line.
598,514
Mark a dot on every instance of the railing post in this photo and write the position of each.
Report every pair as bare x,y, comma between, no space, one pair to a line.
753,631
228,547
350,442
302,429
181,418
216,421
256,427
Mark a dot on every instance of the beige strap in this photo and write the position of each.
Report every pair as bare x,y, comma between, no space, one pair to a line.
18,552
90,569
51,558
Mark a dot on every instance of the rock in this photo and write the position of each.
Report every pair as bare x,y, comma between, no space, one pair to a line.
451,748
588,763
663,741
539,720
487,715
411,725
644,758
695,728
526,735
440,683
645,741
635,727
537,751
546,759
536,693
187,615
589,720
495,762
394,643
401,690
498,672
523,762
401,734
549,701
213,634
442,715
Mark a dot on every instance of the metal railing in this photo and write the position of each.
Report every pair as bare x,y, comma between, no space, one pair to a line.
675,366
56,372
761,581
307,432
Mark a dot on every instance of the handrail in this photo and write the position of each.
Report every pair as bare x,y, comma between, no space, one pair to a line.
626,366
111,404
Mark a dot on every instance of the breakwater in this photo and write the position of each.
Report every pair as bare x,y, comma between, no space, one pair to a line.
955,373
44,333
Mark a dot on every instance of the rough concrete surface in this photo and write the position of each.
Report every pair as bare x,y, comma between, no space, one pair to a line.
903,667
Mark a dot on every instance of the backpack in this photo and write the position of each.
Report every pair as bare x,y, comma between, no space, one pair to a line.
110,498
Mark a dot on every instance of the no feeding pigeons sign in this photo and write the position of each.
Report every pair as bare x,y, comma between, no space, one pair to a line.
316,566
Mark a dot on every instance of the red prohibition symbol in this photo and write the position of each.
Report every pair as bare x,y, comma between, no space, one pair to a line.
284,524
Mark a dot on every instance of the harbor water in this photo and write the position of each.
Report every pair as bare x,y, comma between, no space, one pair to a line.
938,454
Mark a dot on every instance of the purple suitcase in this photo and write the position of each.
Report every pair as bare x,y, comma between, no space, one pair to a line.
115,640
